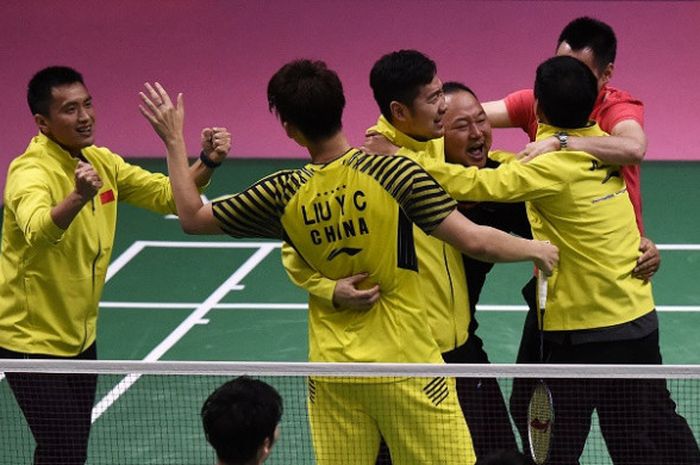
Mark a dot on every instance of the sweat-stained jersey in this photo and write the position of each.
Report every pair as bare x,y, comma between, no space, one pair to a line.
354,214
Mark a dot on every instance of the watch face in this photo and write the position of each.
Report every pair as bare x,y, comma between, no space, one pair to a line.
563,140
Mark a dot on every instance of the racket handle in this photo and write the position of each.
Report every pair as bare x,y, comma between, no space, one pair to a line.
541,290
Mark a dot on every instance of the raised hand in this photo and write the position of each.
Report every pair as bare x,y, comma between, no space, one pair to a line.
167,119
216,143
87,181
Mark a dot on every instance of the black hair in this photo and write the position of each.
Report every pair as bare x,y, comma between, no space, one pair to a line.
452,87
239,416
39,88
308,95
588,32
566,90
399,76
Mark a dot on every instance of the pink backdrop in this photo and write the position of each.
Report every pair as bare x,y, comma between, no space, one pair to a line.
221,54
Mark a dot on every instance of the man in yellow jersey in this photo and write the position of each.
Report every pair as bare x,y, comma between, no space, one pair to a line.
58,229
410,98
597,311
347,212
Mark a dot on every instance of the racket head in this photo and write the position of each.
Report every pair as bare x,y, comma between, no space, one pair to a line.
540,420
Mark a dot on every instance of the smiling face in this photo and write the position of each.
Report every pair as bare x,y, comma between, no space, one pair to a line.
71,118
423,120
467,130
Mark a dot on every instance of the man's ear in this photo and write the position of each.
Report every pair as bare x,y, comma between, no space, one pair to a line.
538,113
264,450
288,129
41,122
294,133
399,111
607,73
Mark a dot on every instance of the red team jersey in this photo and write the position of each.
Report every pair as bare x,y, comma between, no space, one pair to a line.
611,107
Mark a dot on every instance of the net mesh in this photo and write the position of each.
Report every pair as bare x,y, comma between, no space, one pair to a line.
149,413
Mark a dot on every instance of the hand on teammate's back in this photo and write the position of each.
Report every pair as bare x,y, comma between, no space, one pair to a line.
376,143
649,262
348,296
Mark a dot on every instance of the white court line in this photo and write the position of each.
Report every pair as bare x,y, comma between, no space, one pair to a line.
225,306
135,248
118,263
293,306
192,320
678,246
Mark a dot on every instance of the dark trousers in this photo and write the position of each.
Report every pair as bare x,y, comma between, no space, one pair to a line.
482,403
638,418
58,409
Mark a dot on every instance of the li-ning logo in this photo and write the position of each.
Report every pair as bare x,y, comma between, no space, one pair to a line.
348,250
540,425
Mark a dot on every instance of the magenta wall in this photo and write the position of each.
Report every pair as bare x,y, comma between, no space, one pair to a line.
221,54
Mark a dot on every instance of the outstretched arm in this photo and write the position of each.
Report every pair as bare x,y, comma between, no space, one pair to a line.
168,120
497,112
491,245
626,145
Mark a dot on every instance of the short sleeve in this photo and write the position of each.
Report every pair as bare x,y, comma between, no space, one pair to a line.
521,111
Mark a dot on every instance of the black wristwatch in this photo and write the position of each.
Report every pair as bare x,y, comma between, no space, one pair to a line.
563,139
208,162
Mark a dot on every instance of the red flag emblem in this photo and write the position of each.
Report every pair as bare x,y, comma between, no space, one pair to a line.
107,196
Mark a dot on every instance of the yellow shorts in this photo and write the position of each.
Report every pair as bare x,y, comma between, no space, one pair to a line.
419,418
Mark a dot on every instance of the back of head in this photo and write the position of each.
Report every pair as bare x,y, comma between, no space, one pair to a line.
308,95
39,88
239,416
399,76
565,90
585,32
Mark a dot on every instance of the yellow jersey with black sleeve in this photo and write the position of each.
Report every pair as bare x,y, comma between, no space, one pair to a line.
580,204
440,266
51,279
354,214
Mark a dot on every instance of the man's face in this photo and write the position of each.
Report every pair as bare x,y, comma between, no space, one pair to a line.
467,130
587,56
71,118
423,119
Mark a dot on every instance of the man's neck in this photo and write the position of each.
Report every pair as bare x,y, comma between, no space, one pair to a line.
329,149
407,132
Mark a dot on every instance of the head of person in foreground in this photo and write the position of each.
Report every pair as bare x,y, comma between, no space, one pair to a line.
241,421
565,92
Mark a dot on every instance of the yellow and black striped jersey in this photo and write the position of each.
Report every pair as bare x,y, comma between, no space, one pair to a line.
354,214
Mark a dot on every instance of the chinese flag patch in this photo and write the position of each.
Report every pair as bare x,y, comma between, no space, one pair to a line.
107,196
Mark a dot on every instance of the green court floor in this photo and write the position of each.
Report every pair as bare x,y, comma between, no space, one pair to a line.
152,310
